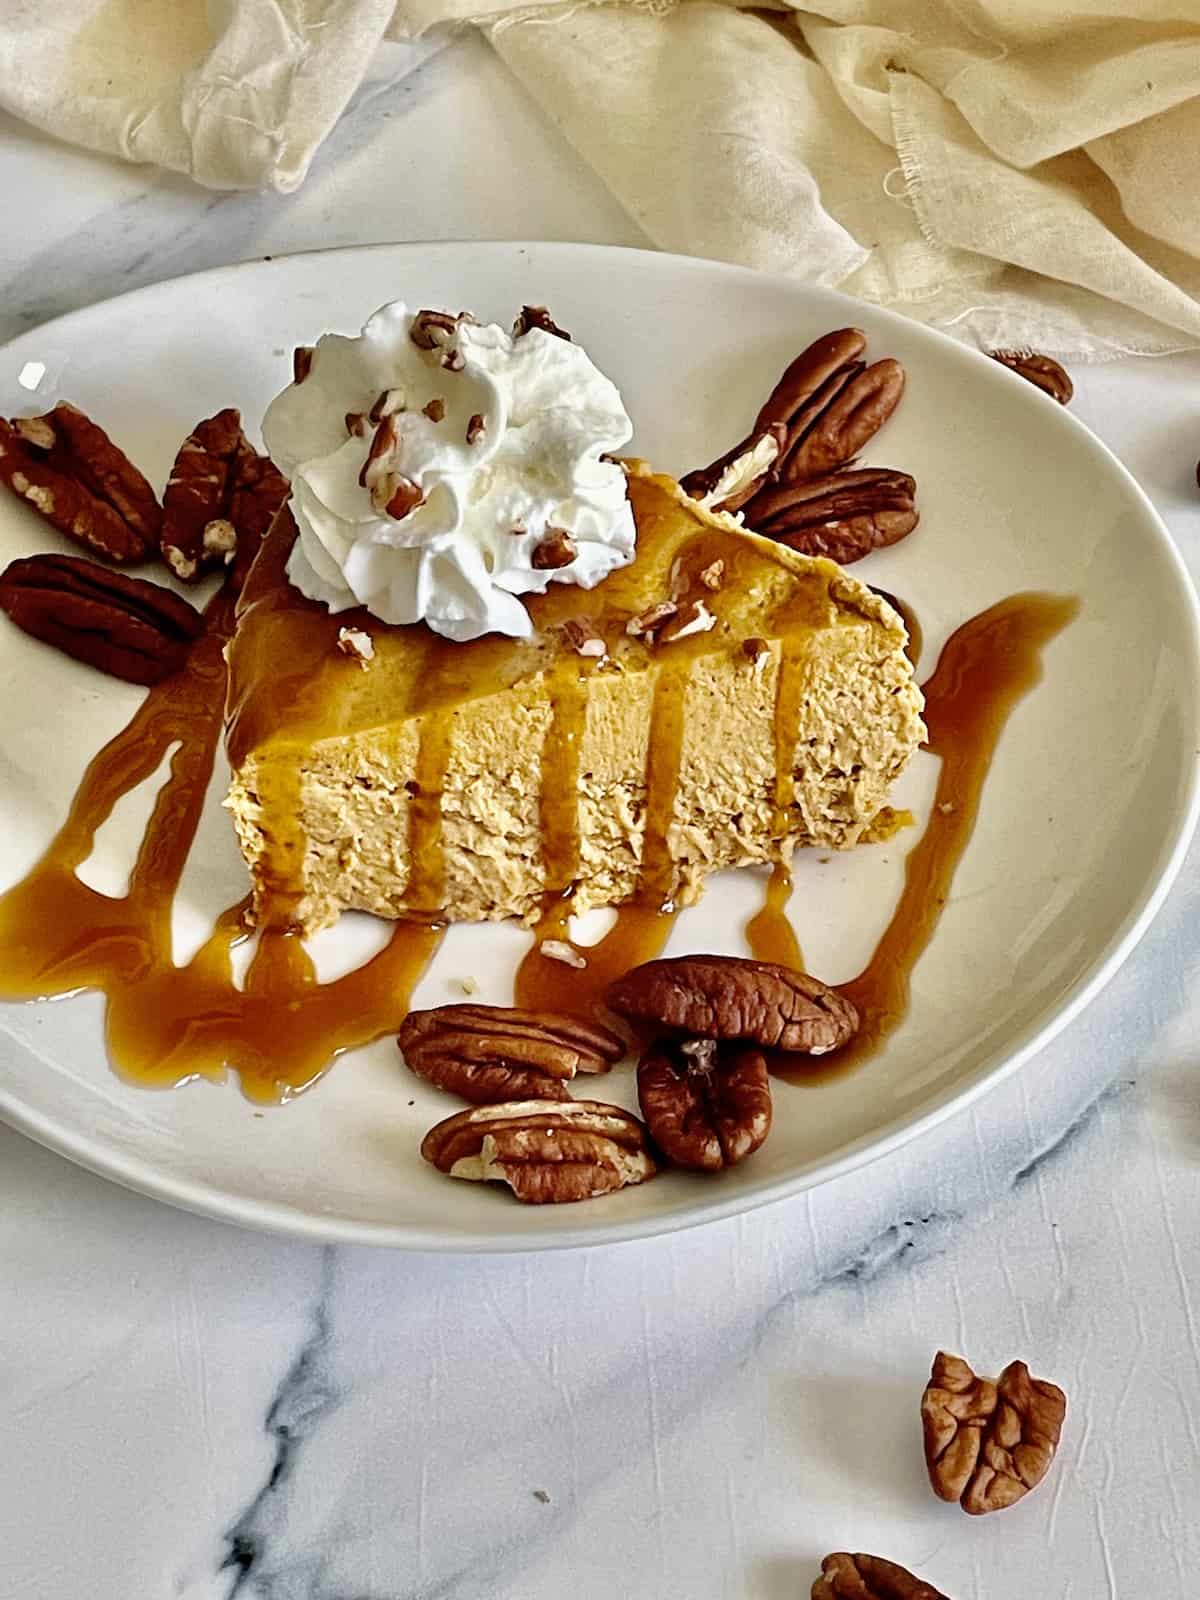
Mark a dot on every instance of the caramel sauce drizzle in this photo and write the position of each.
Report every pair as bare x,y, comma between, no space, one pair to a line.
985,669
644,924
166,1024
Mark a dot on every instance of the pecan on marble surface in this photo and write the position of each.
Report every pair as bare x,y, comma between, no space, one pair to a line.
988,1444
707,1106
123,626
547,1152
67,468
732,997
863,1577
1046,374
844,515
490,1054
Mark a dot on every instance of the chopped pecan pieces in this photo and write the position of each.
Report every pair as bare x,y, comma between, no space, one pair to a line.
547,1153
557,549
386,404
706,1107
435,410
843,516
582,639
67,468
475,429
730,997
861,1577
302,360
433,330
538,317
358,644
124,626
495,1053
1043,372
647,623
987,1444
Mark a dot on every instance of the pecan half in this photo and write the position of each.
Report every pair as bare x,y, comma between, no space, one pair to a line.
831,359
862,1577
546,1153
259,491
1043,372
197,532
735,997
489,1054
706,1108
66,467
987,1444
827,405
124,626
538,317
848,421
844,515
731,997
729,481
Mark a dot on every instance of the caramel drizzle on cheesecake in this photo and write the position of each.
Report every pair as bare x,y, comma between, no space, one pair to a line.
166,1024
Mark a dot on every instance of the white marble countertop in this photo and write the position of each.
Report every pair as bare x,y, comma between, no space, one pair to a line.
191,1411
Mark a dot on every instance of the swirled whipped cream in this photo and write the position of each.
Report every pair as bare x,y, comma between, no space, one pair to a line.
441,469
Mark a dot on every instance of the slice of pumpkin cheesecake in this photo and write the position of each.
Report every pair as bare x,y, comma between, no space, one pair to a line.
714,703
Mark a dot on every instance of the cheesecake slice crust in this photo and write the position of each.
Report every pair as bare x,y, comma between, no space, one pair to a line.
621,753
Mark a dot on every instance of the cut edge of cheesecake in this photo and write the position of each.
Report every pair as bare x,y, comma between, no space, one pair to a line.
512,772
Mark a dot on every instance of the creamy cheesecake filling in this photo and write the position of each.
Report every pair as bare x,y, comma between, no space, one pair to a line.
473,780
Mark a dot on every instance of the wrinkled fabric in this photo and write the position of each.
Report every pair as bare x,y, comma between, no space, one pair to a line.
993,167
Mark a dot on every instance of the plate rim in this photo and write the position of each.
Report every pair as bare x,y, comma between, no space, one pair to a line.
148,1178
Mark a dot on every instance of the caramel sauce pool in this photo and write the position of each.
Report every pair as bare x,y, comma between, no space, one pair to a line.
164,1023
985,669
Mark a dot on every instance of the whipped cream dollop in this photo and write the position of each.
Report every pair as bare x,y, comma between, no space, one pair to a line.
441,469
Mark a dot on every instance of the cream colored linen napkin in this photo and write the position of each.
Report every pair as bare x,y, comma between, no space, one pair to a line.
995,167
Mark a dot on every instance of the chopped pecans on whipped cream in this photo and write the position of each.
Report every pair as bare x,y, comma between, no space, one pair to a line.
442,468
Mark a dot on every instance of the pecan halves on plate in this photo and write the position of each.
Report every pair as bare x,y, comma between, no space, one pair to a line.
489,1054
220,499
124,626
850,420
844,515
67,468
729,481
707,1107
732,997
827,405
987,1444
548,1153
862,1577
1046,374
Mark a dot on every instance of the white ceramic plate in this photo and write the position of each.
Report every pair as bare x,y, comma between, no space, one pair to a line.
1084,820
